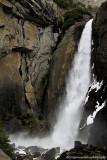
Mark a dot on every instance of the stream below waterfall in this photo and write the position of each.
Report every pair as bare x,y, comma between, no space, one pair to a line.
66,129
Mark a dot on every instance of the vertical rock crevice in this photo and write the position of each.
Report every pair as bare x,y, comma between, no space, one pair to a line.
27,39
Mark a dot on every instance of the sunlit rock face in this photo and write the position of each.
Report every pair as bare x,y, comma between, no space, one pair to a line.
29,32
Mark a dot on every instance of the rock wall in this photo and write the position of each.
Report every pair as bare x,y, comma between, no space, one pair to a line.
98,130
98,134
60,64
28,33
32,77
99,54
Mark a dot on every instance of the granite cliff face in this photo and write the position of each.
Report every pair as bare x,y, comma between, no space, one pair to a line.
34,65
32,77
98,134
60,64
98,130
99,54
29,32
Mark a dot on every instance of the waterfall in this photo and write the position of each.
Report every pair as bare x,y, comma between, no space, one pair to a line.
66,129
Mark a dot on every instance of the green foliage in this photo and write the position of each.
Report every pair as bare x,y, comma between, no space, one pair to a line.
65,4
5,143
72,16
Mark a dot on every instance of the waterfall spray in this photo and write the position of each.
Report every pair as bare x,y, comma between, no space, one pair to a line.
66,129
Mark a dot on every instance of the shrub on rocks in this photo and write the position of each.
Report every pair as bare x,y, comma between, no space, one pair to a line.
74,15
5,143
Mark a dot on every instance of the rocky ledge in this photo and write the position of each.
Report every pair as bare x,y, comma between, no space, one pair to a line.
85,151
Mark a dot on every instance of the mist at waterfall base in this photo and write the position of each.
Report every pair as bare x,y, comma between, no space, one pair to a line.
66,129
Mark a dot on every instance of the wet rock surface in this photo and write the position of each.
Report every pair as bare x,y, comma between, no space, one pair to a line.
98,130
84,151
99,58
80,151
37,153
99,53
98,133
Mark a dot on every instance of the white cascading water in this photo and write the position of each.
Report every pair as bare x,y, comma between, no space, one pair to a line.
66,129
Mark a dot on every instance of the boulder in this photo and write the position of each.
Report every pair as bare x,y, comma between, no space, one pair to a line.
34,149
49,155
78,144
3,156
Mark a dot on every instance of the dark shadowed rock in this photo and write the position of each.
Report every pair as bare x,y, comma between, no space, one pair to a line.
25,157
84,151
50,155
99,54
78,144
97,134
